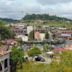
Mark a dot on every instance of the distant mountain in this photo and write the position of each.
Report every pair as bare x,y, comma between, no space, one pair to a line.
7,20
45,17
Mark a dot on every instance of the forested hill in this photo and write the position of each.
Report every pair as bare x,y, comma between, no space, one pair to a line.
45,17
7,20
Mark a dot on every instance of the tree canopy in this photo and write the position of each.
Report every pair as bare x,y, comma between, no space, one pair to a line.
17,55
31,35
47,48
47,35
44,17
34,51
5,32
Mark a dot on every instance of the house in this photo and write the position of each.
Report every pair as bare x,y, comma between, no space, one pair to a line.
39,36
8,44
42,36
4,61
22,37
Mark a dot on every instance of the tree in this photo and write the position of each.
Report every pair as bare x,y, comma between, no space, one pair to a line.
47,35
44,17
54,36
5,32
47,48
20,42
17,56
31,35
34,52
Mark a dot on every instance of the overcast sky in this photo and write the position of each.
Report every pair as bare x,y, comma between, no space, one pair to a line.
16,9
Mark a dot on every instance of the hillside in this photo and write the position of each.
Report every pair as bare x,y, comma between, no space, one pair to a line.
44,17
7,20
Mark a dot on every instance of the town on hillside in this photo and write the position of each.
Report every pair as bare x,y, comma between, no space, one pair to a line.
26,46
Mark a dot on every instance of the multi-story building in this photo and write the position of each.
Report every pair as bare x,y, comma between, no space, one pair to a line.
4,61
64,33
19,29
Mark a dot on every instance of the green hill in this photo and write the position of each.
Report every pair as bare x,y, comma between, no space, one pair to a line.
45,17
7,20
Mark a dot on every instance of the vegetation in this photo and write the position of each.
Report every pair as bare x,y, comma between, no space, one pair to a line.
66,58
7,20
44,17
31,35
17,58
5,32
47,35
34,51
47,48
64,65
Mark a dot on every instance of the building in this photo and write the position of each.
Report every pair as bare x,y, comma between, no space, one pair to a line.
39,36
66,34
4,61
41,29
19,29
29,29
63,33
42,36
22,37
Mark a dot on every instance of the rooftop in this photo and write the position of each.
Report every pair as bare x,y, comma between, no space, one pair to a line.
9,42
2,53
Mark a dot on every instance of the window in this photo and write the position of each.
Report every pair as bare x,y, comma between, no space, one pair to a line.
5,63
0,67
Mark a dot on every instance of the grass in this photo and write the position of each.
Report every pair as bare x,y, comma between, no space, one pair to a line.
51,23
37,67
34,67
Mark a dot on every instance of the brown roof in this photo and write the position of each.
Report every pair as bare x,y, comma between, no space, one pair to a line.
9,42
3,53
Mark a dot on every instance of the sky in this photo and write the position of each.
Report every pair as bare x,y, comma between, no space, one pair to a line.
16,9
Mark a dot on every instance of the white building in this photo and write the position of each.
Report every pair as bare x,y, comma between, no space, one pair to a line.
42,36
4,61
23,37
29,29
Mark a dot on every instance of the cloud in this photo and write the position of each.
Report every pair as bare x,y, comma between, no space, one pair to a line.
7,2
49,2
16,9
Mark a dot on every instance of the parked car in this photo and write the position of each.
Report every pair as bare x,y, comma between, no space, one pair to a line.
39,58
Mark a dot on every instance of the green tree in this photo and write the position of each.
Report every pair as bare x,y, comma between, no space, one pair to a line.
17,56
20,42
34,52
5,32
47,35
31,35
47,48
54,36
